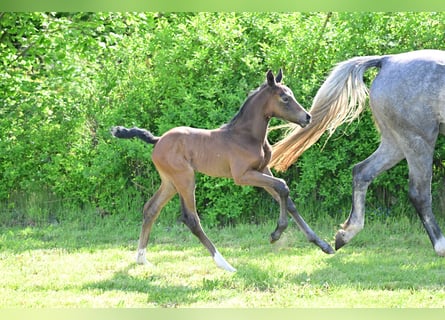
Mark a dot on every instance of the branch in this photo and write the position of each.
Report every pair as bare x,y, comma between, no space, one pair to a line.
320,36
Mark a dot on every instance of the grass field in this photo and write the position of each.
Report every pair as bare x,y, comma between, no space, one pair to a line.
390,264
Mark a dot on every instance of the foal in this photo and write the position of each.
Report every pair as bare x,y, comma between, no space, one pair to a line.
237,150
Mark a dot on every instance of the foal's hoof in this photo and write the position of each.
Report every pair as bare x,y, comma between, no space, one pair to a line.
222,263
326,248
142,259
274,237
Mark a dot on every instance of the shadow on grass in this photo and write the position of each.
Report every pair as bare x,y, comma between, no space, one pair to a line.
158,293
357,271
360,267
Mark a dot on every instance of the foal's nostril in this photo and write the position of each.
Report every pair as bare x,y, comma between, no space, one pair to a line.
308,118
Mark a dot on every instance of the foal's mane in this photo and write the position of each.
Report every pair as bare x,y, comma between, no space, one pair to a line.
242,109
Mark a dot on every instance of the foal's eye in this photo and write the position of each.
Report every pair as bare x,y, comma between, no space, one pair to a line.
284,98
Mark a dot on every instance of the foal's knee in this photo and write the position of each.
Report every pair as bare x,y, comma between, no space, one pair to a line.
281,188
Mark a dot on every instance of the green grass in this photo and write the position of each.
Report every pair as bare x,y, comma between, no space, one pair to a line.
74,264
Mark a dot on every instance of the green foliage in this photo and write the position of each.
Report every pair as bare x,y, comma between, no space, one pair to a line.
68,77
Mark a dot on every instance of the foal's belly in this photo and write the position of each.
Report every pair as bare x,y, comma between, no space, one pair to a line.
211,163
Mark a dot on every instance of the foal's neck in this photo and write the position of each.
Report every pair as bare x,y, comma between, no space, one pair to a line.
251,120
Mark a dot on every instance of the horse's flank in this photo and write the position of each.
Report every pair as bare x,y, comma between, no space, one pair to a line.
407,99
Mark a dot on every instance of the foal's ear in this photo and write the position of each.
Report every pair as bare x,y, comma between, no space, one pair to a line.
270,79
279,76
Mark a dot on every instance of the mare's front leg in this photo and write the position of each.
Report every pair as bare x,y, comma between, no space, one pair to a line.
311,236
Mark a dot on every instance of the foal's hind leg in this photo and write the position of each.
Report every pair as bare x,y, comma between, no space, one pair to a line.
385,157
151,211
185,184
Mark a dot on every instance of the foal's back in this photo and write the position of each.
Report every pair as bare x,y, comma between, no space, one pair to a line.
185,149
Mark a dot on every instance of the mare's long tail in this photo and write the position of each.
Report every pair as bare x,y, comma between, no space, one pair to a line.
340,99
124,133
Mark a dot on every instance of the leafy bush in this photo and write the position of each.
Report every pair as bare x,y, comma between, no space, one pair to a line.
68,77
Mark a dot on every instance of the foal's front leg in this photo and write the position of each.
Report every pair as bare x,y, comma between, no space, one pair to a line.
311,236
277,188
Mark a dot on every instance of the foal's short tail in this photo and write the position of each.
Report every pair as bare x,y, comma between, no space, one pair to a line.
340,99
124,133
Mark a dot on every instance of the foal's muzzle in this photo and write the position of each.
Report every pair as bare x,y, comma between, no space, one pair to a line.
306,121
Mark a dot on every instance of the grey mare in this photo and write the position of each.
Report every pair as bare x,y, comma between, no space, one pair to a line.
407,99
237,150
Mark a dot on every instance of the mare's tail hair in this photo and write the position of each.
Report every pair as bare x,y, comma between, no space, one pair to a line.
124,133
340,99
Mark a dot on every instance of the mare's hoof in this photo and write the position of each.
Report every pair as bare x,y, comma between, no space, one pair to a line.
339,240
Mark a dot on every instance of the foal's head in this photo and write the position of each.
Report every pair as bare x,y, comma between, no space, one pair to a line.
282,103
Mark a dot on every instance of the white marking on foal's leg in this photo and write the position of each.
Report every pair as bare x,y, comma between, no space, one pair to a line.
141,257
439,247
222,263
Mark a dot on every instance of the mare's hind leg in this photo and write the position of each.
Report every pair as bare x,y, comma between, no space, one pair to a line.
185,184
420,163
151,211
303,226
385,157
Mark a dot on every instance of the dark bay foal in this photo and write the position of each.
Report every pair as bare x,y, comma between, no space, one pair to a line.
237,150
